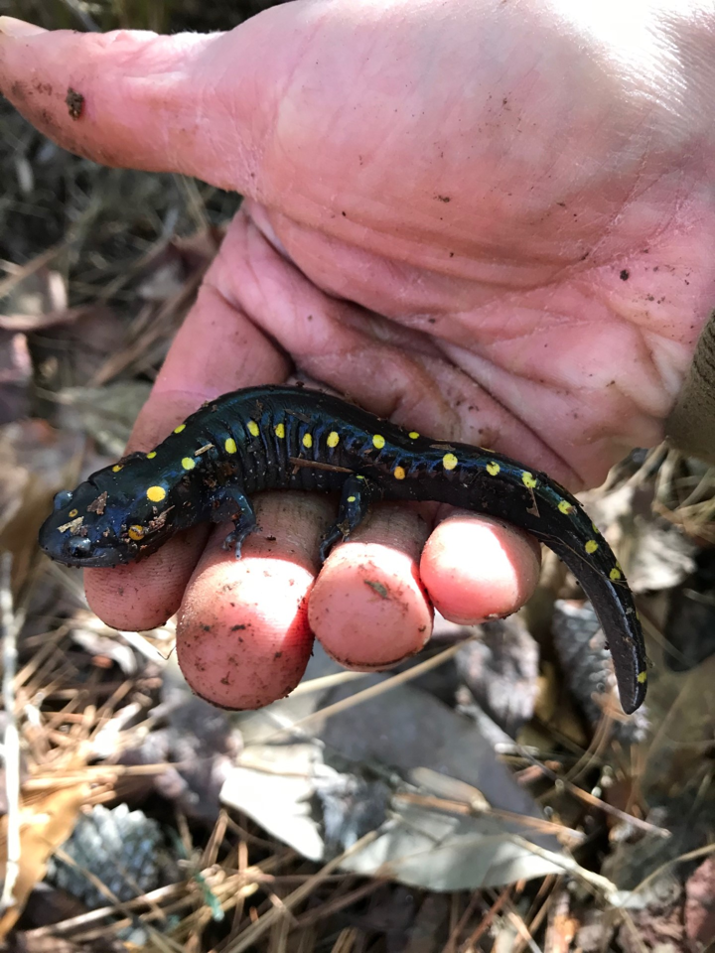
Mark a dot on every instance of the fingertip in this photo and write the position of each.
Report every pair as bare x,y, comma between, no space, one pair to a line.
143,595
136,99
477,568
240,644
243,636
110,96
368,608
15,29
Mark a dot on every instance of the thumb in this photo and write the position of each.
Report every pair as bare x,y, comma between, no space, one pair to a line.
201,105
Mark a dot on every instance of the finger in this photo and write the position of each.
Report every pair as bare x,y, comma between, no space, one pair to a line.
216,349
243,636
368,607
145,594
132,98
476,568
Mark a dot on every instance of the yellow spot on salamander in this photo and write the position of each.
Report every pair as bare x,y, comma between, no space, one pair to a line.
151,455
332,439
595,528
156,494
449,462
564,506
351,499
188,463
615,574
493,468
136,532
399,473
378,441
116,469
72,513
641,678
230,445
252,428
414,435
528,479
591,546
280,431
307,440
179,428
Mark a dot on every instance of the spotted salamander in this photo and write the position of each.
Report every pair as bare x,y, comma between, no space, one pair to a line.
294,438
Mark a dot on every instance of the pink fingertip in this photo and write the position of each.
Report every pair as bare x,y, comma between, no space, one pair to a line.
476,568
243,638
368,608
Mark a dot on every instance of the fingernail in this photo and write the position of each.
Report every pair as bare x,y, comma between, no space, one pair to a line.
11,26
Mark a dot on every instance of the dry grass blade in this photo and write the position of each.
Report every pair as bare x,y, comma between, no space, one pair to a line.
11,742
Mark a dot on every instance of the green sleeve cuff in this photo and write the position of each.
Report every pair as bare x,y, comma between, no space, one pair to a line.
690,426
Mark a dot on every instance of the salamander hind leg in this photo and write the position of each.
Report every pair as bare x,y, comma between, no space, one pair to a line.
228,503
357,494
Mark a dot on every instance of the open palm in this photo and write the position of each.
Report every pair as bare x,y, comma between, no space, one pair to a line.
488,221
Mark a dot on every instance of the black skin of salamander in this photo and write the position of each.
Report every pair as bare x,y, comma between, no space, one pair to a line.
298,439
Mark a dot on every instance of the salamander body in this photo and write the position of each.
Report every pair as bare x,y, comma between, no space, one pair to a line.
294,438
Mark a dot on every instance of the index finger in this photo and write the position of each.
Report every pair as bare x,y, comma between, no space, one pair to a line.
217,349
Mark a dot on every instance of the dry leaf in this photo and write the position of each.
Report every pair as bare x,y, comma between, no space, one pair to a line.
45,823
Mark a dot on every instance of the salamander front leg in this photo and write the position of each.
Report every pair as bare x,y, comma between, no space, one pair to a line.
229,503
357,494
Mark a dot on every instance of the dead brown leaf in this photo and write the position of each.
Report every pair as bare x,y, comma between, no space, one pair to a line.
45,823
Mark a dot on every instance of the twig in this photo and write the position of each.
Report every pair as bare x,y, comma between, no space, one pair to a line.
8,628
601,886
595,802
688,856
376,690
248,938
124,907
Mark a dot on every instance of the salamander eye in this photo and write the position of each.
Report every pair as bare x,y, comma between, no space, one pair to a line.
62,499
136,532
79,546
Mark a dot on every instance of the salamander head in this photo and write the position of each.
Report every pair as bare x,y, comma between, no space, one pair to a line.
112,517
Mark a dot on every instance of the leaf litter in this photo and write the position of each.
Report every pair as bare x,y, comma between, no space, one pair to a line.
489,795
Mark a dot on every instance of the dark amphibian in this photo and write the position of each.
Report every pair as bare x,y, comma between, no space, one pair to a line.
294,438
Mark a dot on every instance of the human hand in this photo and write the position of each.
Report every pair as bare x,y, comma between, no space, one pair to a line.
487,221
